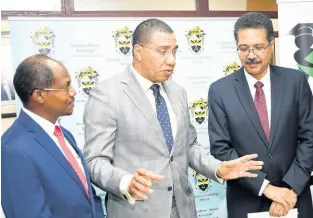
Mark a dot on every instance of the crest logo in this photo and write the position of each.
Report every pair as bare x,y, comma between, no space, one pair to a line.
87,79
202,183
195,37
43,41
303,33
122,38
229,69
199,111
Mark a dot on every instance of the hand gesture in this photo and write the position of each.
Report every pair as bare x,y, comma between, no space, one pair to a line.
239,167
142,182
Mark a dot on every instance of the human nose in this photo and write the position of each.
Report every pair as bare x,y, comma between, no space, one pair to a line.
171,58
72,91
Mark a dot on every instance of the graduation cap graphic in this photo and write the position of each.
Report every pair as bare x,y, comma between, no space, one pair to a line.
303,33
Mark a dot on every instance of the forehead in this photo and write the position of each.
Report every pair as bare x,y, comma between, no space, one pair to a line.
163,39
252,36
60,73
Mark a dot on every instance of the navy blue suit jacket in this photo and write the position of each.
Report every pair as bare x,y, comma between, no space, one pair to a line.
37,180
235,130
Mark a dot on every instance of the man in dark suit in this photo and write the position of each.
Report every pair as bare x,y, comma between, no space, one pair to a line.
267,110
43,172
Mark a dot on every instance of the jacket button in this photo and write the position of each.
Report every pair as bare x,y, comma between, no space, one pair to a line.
172,158
169,189
270,156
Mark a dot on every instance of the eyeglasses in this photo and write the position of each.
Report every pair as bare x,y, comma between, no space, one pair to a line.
258,50
162,52
66,89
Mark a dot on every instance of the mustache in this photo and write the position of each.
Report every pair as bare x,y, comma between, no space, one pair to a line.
252,61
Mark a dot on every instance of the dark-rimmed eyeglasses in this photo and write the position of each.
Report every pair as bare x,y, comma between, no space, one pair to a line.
258,50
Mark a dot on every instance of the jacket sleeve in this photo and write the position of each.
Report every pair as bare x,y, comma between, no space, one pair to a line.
299,172
22,193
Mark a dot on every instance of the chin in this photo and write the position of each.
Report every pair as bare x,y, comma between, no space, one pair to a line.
68,113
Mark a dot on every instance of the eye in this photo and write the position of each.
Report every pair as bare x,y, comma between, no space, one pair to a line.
163,52
259,48
244,49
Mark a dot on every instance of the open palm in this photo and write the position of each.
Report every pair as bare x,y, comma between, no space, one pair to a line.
239,167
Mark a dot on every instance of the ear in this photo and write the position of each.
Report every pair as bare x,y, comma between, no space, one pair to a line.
137,52
38,97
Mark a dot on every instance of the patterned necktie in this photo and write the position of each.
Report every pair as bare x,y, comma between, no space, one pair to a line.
70,157
260,105
163,116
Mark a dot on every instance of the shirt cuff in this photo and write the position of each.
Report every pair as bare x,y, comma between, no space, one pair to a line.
124,184
220,180
265,183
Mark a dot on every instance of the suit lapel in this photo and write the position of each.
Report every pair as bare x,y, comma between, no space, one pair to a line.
138,97
277,86
244,95
81,159
170,92
45,141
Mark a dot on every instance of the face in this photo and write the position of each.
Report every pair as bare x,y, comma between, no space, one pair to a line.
255,62
59,102
157,57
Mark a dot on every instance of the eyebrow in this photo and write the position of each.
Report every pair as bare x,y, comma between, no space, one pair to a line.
252,45
166,46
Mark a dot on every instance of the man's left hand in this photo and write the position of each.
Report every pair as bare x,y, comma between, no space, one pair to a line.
239,167
277,210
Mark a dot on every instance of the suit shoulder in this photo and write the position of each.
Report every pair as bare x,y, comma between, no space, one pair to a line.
224,81
288,72
16,138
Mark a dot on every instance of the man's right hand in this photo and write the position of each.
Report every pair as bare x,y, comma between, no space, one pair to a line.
141,183
284,196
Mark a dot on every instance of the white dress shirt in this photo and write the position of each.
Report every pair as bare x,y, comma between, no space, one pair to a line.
49,127
266,80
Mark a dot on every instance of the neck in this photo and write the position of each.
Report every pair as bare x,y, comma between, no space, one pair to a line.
140,70
261,75
42,114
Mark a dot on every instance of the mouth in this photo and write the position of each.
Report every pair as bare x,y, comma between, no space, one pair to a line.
253,65
72,102
169,72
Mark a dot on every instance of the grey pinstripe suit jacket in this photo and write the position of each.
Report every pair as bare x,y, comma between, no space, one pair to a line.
122,134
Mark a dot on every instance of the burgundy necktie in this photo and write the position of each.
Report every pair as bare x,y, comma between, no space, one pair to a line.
260,105
70,157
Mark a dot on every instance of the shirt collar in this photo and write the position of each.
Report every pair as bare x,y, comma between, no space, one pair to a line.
45,124
266,80
144,83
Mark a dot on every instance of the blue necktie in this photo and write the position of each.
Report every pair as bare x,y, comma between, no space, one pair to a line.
163,116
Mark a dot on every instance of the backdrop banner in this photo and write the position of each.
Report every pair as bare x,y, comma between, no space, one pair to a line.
95,49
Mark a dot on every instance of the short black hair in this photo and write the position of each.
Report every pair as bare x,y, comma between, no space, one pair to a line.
33,73
254,20
146,28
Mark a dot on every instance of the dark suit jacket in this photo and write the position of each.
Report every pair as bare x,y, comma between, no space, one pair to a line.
235,130
37,180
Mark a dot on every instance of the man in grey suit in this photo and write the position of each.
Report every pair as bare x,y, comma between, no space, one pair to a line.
139,138
264,109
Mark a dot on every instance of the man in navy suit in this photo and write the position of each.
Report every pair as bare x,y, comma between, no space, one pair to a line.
267,110
43,172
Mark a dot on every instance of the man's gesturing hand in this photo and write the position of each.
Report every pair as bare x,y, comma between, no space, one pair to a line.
141,183
239,167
